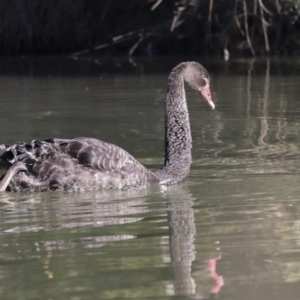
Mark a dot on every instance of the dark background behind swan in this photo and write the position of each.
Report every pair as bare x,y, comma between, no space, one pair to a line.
149,27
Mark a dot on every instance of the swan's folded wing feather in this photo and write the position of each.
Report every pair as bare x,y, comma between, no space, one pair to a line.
96,154
89,152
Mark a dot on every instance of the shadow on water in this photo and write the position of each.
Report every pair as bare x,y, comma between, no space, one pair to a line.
232,231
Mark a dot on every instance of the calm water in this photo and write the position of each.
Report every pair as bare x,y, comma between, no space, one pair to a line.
232,231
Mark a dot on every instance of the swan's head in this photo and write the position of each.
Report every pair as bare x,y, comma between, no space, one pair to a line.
198,79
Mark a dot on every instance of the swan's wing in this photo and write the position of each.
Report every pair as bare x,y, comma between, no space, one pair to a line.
88,152
95,154
75,164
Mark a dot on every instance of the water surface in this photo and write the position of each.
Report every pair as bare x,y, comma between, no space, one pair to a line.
232,231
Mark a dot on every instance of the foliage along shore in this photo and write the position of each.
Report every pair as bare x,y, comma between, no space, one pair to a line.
150,27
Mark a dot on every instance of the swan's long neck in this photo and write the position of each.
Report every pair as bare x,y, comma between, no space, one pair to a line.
178,141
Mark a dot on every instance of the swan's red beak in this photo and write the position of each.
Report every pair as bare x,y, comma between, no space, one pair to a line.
206,94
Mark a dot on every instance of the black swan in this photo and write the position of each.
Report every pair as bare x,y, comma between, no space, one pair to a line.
86,163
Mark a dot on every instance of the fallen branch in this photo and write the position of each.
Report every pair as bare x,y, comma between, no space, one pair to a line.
115,40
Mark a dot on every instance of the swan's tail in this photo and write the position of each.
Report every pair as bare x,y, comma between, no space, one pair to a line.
17,152
22,151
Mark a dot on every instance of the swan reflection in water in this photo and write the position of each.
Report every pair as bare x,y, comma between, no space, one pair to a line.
182,249
61,211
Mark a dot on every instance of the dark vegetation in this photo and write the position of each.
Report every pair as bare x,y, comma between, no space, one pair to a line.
149,27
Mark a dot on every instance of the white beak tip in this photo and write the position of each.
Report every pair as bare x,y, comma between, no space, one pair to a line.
212,105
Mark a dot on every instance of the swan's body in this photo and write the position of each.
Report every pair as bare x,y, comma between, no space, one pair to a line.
86,163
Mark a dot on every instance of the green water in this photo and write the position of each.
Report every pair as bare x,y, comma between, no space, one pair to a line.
232,231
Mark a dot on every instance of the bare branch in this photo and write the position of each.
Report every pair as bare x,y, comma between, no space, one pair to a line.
246,27
132,49
264,27
264,8
156,4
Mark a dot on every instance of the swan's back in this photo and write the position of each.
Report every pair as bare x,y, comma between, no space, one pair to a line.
74,165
